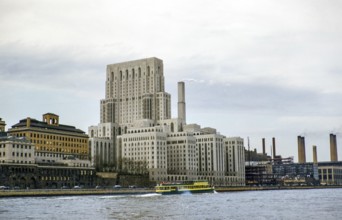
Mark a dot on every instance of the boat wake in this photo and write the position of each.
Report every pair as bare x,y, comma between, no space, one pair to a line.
147,195
111,197
135,196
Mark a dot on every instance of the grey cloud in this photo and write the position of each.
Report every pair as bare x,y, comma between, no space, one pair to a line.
259,96
258,61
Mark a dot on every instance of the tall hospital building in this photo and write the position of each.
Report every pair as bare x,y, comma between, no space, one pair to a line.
137,135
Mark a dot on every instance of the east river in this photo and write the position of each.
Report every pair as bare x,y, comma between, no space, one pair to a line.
272,204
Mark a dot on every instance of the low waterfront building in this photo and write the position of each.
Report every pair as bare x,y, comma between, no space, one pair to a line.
45,154
330,173
21,167
51,139
296,173
37,176
16,150
260,173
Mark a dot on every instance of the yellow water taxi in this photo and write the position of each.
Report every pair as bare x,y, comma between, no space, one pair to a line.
184,187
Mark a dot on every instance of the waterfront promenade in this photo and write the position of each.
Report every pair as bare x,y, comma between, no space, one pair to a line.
135,191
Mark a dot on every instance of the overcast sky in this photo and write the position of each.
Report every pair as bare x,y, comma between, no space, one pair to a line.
252,68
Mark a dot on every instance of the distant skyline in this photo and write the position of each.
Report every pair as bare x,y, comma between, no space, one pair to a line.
257,69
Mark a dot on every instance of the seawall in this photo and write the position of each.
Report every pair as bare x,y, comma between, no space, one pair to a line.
136,191
71,192
255,188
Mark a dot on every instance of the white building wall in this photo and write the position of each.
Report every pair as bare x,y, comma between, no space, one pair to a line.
132,89
235,165
136,116
145,145
16,150
211,157
102,152
182,156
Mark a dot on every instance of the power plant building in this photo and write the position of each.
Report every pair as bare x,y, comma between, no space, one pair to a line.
136,124
330,173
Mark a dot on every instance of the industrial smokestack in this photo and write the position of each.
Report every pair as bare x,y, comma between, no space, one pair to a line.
301,149
333,148
181,101
263,147
314,154
335,141
274,148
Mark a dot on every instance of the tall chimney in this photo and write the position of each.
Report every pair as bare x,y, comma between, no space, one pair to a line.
274,148
301,149
314,154
181,101
333,148
263,147
335,141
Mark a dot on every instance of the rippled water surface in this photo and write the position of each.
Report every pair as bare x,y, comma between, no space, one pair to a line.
276,204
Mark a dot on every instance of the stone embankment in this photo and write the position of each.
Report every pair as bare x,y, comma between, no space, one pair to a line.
135,191
254,188
72,192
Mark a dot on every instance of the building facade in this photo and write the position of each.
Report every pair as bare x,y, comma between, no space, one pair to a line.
136,123
235,160
144,150
52,140
330,173
21,167
135,91
16,150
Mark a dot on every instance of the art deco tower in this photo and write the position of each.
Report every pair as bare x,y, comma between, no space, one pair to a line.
135,91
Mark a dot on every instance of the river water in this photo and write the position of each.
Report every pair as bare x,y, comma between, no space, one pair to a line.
274,204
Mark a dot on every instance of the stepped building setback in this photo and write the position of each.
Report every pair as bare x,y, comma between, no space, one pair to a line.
137,134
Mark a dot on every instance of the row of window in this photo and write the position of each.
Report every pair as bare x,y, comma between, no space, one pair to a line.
330,171
180,134
21,154
21,146
53,137
145,131
18,161
62,144
17,146
62,150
